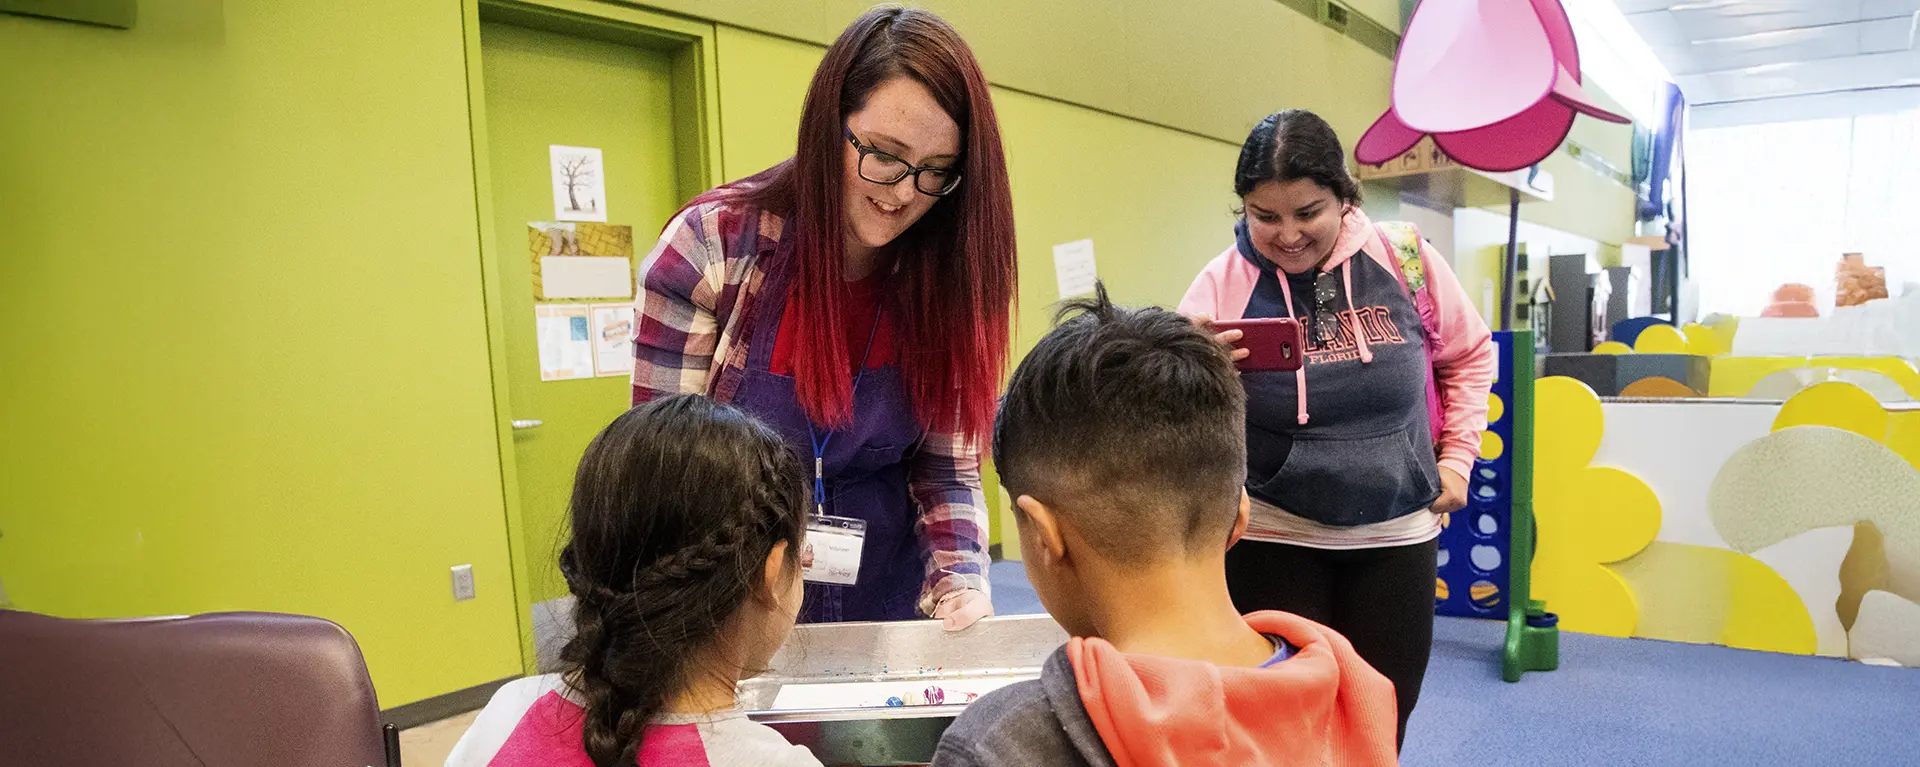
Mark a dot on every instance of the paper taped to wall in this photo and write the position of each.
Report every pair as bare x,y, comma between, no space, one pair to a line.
612,339
579,238
566,341
585,277
579,183
1074,269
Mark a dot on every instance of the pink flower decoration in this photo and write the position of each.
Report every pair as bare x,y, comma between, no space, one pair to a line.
1495,82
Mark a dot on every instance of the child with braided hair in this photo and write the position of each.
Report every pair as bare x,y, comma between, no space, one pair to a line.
688,518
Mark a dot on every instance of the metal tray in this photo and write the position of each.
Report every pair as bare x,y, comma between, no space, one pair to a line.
1010,647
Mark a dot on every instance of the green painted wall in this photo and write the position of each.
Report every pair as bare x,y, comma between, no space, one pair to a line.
1154,219
629,117
1155,201
1213,67
763,80
243,359
1387,12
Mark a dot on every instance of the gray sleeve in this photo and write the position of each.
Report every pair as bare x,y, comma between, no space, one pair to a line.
737,740
982,722
1014,726
954,754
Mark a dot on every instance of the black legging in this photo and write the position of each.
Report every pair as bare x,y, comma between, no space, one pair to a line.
1381,600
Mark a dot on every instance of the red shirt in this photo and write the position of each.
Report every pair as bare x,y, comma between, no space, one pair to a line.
858,316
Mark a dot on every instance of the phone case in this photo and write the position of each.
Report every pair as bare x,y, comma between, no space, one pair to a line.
1274,344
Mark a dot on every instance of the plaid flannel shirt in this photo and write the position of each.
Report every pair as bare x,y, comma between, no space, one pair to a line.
692,326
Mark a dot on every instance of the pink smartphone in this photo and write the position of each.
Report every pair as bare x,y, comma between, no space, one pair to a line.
1274,344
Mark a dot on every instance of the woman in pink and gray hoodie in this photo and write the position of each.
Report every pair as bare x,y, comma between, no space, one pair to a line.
1353,460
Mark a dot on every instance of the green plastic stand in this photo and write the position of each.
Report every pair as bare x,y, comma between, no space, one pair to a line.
1529,647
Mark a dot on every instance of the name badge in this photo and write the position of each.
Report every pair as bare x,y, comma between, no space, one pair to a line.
831,552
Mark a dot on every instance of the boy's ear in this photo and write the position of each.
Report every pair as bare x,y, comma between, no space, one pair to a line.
1245,517
1044,526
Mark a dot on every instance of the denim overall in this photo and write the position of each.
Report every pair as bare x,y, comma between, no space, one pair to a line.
865,466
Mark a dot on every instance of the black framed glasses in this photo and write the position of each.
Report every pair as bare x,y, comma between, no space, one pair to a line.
1326,320
883,168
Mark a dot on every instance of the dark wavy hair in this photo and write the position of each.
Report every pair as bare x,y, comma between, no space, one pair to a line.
952,301
1133,423
1292,145
675,508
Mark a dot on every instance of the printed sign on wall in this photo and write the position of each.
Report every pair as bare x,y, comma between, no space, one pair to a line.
579,183
1074,269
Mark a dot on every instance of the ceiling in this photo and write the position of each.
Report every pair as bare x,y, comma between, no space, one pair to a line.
1739,51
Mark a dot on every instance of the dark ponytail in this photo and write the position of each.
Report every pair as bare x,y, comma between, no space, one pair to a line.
1292,145
675,508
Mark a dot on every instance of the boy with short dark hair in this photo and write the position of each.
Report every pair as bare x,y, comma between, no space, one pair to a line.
1122,439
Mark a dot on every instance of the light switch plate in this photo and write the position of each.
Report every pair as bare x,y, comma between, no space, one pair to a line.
462,583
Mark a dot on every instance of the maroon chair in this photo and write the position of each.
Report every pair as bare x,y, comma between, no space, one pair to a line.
215,690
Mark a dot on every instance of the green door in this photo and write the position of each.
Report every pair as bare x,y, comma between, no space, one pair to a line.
542,89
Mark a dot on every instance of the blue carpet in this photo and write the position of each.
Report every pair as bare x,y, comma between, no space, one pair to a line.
1636,702
1012,594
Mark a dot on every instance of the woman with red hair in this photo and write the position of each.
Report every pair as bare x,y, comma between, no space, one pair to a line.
856,298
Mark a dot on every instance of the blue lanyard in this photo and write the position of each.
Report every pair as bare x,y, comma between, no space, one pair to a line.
820,443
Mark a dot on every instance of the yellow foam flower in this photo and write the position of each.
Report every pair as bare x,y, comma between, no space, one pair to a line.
1589,517
1660,339
1836,457
1702,340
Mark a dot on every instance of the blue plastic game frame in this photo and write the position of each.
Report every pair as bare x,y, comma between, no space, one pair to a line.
1475,557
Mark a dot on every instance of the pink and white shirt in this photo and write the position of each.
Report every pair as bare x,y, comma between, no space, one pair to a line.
537,721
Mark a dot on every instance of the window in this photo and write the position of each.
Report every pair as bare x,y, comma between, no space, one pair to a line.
1771,204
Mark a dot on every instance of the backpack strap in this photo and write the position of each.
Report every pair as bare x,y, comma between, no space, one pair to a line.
1402,241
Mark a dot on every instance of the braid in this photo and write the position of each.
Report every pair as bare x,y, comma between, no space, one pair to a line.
676,506
634,661
720,547
615,715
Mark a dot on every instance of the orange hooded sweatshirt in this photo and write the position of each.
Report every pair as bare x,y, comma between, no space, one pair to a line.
1323,705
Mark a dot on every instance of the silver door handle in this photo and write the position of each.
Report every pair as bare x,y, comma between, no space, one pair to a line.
528,424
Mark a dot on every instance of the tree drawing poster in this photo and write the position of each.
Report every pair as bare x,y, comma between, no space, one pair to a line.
579,184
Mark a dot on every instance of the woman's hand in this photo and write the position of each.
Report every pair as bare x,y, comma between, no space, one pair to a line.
1453,492
963,608
1225,338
